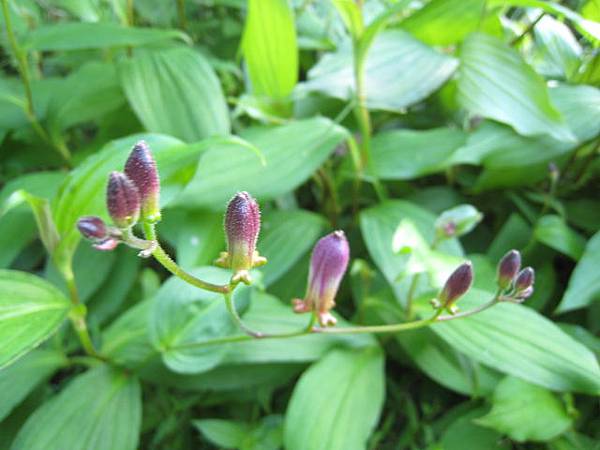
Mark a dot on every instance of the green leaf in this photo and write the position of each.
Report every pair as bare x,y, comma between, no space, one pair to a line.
557,52
556,234
263,435
526,412
408,154
515,233
18,380
351,16
584,284
445,22
175,91
580,106
31,310
81,36
183,314
285,237
516,340
378,226
224,171
98,410
463,432
394,71
270,49
494,82
337,402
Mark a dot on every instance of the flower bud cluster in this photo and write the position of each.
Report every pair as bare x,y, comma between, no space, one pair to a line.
514,282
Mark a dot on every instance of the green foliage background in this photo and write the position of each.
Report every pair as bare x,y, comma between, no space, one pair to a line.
373,116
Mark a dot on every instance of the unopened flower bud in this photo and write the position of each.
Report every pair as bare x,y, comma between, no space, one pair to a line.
508,267
141,169
123,200
524,283
242,225
328,264
457,284
457,221
94,229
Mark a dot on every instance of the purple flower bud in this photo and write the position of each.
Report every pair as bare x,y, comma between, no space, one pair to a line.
141,169
457,284
328,264
242,225
92,228
524,283
508,267
123,200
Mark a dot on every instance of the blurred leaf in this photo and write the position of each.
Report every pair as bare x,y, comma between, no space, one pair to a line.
526,412
270,48
224,171
494,82
445,22
263,435
457,221
351,16
555,233
82,35
515,233
98,410
582,335
408,154
557,52
199,238
182,314
18,380
347,390
463,433
394,72
580,106
584,284
286,236
31,310
514,339
175,91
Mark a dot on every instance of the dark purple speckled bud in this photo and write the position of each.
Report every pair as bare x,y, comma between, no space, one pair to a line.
242,225
94,229
524,283
122,200
328,264
141,169
457,285
508,267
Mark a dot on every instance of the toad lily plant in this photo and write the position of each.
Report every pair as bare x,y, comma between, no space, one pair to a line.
133,198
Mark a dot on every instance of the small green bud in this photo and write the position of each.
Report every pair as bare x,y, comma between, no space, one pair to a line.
457,221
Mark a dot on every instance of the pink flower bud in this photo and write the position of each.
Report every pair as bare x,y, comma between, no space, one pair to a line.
524,283
141,169
94,229
457,284
242,225
508,267
122,200
328,264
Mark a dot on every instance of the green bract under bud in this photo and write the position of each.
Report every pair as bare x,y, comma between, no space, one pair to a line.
457,221
141,169
457,284
122,200
508,267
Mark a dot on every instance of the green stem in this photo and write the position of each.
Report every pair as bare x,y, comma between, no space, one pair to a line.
78,319
237,319
414,283
165,260
527,30
181,14
471,312
23,69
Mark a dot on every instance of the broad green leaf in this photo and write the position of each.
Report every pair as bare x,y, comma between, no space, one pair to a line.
495,82
267,434
555,233
378,226
199,235
408,154
98,410
584,284
337,402
267,313
81,35
291,153
463,432
526,412
270,49
515,233
351,16
31,310
582,335
580,106
285,237
175,91
516,340
182,315
18,380
445,22
557,52
394,71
